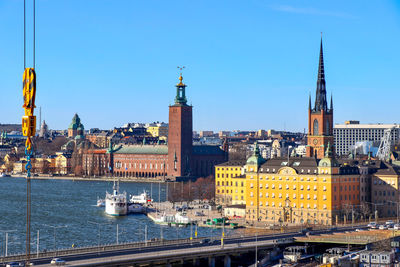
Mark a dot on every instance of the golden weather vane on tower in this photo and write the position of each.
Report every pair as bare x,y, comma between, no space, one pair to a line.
180,76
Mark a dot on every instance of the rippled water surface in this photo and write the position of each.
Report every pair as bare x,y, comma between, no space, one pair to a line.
70,206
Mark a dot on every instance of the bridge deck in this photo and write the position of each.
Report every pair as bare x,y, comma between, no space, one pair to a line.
362,237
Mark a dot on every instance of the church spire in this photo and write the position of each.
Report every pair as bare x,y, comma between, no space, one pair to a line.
320,99
331,102
321,71
309,102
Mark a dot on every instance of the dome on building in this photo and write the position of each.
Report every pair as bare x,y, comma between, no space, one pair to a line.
76,122
256,158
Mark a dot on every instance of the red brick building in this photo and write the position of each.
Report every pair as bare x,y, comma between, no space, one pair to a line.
179,158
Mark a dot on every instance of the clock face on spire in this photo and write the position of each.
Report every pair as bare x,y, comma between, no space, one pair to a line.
315,141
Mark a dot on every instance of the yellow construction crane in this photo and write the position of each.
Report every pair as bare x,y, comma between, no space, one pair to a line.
28,126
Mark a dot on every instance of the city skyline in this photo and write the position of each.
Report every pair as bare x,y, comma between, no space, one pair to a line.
123,65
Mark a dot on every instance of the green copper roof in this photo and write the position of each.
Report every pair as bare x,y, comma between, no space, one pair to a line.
256,158
180,98
143,149
76,123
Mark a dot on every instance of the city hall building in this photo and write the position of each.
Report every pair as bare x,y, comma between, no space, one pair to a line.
178,158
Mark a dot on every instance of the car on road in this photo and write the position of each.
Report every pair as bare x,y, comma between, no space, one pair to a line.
57,261
372,225
14,264
396,226
382,227
389,222
205,241
358,230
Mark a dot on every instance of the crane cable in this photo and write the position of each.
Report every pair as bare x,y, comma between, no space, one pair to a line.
29,125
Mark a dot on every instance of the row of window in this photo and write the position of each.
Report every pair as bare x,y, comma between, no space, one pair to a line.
294,205
227,175
230,184
287,187
119,165
287,196
228,191
222,169
383,193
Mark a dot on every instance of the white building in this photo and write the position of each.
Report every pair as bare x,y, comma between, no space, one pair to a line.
348,134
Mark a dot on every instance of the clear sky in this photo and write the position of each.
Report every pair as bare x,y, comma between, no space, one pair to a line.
249,64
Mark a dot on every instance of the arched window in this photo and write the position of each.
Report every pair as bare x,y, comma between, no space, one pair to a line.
315,127
327,129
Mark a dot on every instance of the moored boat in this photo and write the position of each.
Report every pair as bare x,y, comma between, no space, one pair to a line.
143,198
116,203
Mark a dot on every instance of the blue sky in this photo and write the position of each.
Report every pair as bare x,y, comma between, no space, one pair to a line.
249,64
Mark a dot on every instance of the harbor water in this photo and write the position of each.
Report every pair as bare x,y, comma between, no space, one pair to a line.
65,214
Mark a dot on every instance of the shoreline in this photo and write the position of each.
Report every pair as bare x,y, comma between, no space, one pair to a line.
97,179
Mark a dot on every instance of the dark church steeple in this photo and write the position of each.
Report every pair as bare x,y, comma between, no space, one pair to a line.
320,117
320,99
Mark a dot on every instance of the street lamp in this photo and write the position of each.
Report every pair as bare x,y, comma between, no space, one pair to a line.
98,225
376,211
54,236
397,204
6,240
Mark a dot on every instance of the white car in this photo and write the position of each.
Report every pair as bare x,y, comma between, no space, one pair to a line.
372,225
382,227
396,227
57,261
389,222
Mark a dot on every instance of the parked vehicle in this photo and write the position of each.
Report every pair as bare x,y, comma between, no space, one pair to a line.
205,241
389,222
57,261
372,225
382,227
396,226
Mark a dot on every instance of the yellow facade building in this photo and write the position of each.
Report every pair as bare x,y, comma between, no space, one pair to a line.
158,131
301,190
230,183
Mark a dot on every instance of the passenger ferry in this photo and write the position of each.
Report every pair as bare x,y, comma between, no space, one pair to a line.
116,203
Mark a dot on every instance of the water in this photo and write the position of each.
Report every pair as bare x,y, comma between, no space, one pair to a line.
66,209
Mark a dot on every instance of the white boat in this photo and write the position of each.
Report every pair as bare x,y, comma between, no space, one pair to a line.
143,198
181,218
100,202
116,203
136,208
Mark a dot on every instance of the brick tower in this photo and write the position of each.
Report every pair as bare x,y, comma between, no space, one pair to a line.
180,134
320,118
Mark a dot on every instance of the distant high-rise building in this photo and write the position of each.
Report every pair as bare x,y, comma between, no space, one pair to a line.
320,117
348,134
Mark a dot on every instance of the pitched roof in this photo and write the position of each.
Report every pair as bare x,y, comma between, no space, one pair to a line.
296,163
143,149
240,163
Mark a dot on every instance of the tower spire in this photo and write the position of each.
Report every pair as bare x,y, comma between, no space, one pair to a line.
309,101
331,102
321,71
180,98
320,98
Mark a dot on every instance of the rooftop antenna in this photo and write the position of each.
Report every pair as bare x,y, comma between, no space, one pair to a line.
40,117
